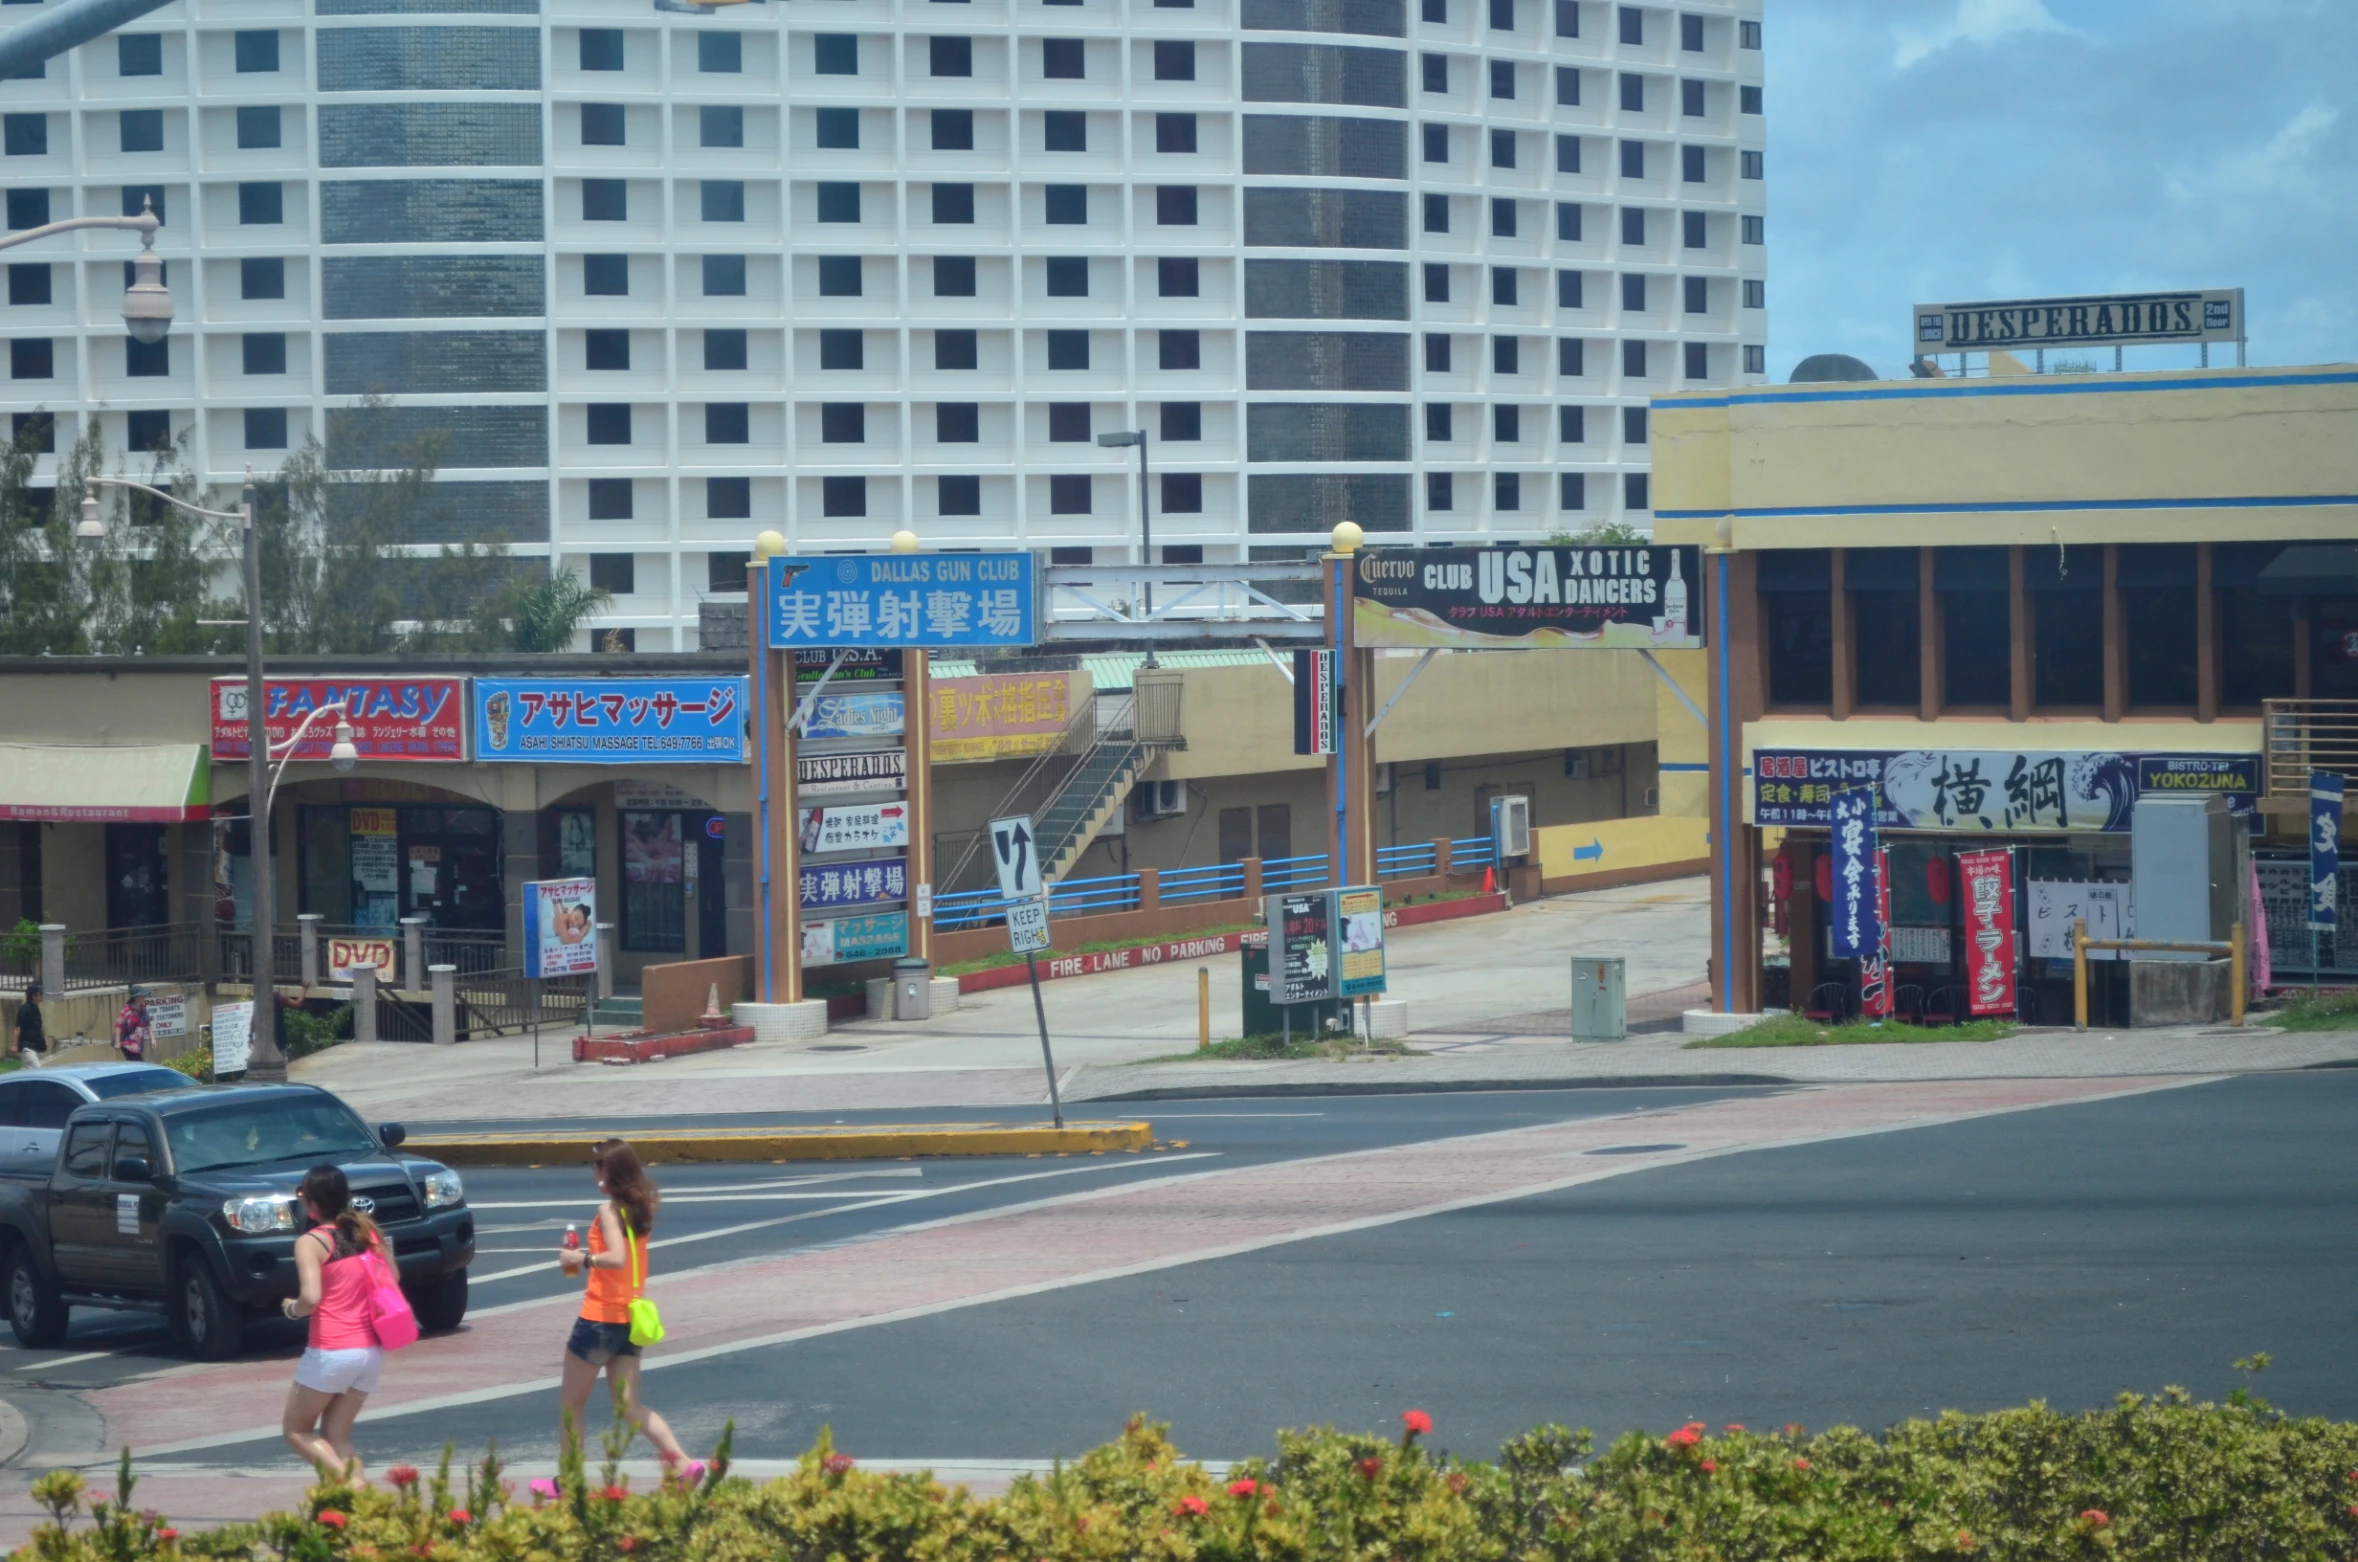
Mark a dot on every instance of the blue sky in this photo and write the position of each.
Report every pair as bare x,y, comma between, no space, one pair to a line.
1945,150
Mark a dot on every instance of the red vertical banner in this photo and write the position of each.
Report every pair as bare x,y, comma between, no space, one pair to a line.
1875,995
1988,905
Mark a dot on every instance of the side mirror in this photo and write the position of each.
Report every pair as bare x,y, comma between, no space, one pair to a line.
393,1134
133,1168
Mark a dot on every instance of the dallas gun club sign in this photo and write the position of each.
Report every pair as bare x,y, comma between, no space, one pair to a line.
1512,598
2109,320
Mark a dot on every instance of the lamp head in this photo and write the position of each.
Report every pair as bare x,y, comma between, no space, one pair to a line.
1128,436
904,541
768,545
1348,537
91,530
147,306
343,755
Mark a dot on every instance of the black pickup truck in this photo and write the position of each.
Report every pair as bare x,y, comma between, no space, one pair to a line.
184,1203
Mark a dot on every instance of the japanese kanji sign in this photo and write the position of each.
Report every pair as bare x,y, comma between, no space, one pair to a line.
999,714
391,718
853,883
856,827
2002,791
611,721
1857,912
1987,879
902,599
2325,849
855,938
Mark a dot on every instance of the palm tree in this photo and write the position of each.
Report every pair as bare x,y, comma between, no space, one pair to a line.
538,614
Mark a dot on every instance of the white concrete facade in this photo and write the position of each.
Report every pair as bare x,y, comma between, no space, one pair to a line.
462,186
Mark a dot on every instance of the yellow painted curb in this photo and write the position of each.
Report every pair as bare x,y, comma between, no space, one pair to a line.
884,1141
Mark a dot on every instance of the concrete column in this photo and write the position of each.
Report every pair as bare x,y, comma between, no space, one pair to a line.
1441,860
308,922
364,1003
444,981
53,959
1252,880
413,954
605,932
1150,889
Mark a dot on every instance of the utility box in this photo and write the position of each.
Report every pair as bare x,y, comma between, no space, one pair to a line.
1263,1018
2189,870
912,990
1600,1000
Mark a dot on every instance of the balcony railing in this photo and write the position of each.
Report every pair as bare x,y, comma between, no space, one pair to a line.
2301,736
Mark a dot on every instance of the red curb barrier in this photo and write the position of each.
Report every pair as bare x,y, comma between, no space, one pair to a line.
648,1049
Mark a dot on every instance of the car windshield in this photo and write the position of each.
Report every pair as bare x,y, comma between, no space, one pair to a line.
247,1133
137,1081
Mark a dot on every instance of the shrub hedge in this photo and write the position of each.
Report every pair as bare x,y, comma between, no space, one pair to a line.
2152,1477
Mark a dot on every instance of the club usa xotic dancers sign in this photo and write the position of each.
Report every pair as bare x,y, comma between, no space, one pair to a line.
1518,599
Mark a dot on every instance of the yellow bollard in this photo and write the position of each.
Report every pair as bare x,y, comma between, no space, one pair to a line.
2079,974
2235,972
1203,1007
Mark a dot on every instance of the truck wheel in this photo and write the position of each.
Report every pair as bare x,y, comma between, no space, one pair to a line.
35,1310
439,1303
208,1320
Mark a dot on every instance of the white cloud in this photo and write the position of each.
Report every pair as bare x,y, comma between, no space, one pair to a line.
2286,164
1977,21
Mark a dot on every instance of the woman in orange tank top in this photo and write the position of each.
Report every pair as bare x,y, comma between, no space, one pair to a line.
617,1265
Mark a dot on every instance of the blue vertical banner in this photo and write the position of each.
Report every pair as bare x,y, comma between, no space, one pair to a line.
2325,849
1858,912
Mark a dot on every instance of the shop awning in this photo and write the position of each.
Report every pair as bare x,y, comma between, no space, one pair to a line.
2312,569
167,783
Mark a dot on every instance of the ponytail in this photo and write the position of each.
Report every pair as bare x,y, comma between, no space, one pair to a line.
329,1195
627,1183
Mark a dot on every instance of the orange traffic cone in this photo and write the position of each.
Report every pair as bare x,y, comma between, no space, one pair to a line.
1489,880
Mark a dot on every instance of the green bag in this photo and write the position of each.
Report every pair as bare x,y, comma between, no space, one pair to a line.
646,1324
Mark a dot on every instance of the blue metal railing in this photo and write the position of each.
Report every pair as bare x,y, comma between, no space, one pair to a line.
1474,851
1073,897
1224,882
1400,862
1294,872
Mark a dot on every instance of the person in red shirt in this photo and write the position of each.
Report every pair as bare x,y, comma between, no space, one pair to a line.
132,1030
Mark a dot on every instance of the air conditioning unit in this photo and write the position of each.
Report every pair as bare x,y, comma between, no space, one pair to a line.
1510,826
1160,799
1578,764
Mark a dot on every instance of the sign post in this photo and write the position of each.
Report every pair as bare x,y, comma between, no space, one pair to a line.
560,936
2325,864
1012,851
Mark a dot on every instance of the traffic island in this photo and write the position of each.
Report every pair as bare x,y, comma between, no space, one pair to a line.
869,1142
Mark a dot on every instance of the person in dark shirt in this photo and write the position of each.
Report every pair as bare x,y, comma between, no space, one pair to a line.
32,1042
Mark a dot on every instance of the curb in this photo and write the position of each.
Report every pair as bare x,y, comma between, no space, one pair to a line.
1423,1087
891,1141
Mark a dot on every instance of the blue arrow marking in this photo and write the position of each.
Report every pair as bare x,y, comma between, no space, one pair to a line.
1594,851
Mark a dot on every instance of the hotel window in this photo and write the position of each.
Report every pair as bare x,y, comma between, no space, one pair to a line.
1886,624
2157,608
2066,598
1976,638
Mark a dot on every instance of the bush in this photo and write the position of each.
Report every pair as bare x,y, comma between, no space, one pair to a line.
196,1063
307,1033
2154,1478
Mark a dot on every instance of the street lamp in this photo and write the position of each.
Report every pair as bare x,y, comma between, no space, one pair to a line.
1115,441
267,1062
343,753
147,304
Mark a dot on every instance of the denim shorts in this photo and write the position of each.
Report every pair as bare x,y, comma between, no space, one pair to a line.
598,1343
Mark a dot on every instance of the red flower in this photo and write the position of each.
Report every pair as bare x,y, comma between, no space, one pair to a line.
1801,1464
613,1494
1735,1426
331,1518
2354,1510
1192,1507
628,1542
1710,1466
1417,1422
1242,1488
2096,1518
1457,1481
1965,1540
461,1517
1685,1437
167,1534
1371,1468
836,1464
403,1475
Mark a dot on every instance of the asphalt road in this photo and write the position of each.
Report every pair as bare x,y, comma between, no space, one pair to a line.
2067,1253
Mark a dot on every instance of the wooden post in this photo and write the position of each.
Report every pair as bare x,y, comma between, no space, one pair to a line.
2116,648
2206,637
2018,638
776,845
1801,921
917,738
2079,973
1845,637
1738,690
1150,889
2235,959
1930,661
1203,1007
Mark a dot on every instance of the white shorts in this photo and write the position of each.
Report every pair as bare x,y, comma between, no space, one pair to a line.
341,1371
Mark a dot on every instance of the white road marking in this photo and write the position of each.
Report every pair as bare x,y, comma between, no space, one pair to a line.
1197,1117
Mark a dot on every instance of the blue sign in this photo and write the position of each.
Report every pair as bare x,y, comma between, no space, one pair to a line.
855,716
854,883
873,937
2325,849
1858,922
611,721
926,600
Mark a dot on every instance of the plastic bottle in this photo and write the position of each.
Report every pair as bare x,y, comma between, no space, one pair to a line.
572,1239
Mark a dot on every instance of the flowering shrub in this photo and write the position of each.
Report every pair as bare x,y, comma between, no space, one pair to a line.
2157,1478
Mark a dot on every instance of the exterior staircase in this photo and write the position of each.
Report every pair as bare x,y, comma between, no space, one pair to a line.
1090,798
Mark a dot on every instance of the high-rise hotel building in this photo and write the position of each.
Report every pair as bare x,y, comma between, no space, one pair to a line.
838,267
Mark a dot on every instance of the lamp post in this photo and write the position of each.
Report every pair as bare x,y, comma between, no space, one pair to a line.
268,1063
147,305
1115,441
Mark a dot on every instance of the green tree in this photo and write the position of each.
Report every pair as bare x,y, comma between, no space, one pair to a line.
1603,534
536,614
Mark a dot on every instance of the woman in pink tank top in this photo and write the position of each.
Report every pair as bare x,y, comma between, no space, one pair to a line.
339,1369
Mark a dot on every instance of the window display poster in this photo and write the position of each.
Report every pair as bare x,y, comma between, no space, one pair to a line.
375,844
560,927
233,1037
1301,953
651,848
1359,914
1987,882
577,843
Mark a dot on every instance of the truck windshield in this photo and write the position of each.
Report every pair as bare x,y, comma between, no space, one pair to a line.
245,1134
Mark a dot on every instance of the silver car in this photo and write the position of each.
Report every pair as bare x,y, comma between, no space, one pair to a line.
34,1104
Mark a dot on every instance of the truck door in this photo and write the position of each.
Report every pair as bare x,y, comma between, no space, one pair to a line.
44,1107
82,1205
134,1257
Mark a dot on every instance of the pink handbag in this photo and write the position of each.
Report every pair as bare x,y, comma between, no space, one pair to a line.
389,1312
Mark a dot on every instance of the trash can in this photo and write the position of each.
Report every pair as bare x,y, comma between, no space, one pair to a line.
1600,1004
912,990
